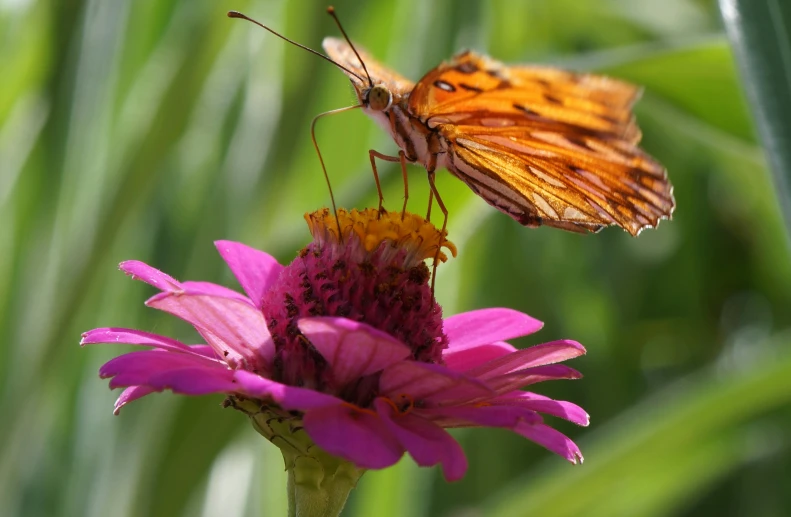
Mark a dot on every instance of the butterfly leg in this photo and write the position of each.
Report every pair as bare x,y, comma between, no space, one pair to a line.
444,210
402,155
374,155
430,201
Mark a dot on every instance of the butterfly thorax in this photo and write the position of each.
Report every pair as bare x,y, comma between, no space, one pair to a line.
419,143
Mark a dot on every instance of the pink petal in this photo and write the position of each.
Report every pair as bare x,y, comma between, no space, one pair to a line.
519,379
484,326
463,359
255,270
290,398
132,337
551,439
137,368
538,355
194,381
535,402
234,328
353,349
142,271
354,434
425,442
129,394
205,351
213,290
430,384
483,416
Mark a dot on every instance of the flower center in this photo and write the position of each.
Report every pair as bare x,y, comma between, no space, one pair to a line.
402,231
373,272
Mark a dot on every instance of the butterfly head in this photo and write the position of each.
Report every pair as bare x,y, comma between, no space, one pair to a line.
377,98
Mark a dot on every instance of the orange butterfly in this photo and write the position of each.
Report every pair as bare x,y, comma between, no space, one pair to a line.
544,146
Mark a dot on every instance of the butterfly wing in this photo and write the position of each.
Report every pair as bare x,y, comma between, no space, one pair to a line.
340,51
543,145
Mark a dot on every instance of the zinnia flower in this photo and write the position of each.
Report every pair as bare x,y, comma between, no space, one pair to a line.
346,349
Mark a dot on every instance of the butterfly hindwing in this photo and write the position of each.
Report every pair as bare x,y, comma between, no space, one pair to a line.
543,145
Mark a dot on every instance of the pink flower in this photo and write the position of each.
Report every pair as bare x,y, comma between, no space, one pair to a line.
347,345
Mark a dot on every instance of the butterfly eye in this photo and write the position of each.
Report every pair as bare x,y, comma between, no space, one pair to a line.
379,98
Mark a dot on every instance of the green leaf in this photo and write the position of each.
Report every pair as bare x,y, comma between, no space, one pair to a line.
760,32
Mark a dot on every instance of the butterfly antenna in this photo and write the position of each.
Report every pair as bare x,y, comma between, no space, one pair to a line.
237,14
321,160
331,12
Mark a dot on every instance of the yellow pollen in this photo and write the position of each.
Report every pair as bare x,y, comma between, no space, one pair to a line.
372,228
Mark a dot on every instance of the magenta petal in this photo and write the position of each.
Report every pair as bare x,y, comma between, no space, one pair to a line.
132,337
535,402
152,276
427,443
144,361
353,349
552,439
288,397
129,394
519,379
204,350
484,326
111,335
138,368
234,328
483,416
430,383
538,355
213,290
353,434
464,359
194,381
254,269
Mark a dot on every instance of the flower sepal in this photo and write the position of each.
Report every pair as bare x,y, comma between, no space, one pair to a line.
318,483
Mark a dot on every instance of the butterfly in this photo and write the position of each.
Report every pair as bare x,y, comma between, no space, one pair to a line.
543,145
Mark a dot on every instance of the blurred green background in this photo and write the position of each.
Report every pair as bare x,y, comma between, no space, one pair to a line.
148,129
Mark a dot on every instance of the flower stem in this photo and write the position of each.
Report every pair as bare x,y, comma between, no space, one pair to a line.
306,498
318,483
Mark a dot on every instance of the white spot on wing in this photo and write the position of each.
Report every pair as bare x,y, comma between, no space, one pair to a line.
472,144
546,177
545,207
572,213
552,138
497,122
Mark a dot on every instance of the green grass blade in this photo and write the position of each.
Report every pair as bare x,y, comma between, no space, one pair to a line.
760,32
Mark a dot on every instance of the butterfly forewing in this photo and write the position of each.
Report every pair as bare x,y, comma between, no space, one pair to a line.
341,52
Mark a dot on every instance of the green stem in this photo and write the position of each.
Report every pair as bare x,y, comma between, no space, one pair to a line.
314,493
318,483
